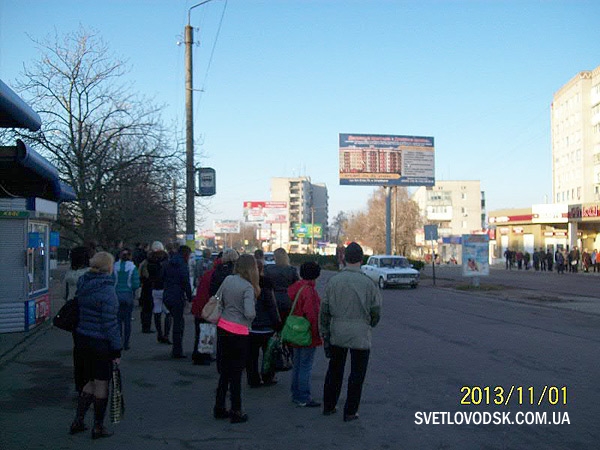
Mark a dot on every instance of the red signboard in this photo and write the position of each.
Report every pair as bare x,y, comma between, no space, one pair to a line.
42,308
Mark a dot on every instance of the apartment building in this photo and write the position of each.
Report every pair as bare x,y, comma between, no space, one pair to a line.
457,207
575,127
307,203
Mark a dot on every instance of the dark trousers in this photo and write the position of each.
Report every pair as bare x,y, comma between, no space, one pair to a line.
232,351
178,327
257,342
359,360
146,304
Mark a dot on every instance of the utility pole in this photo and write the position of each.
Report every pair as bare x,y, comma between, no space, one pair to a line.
190,195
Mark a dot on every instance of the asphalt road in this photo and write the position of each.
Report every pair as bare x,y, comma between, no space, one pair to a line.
431,342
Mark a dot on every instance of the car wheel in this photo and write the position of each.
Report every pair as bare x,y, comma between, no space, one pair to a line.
381,283
414,286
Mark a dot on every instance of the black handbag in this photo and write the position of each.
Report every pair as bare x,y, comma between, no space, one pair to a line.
282,358
68,316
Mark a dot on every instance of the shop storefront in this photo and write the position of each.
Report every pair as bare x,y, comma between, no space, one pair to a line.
30,191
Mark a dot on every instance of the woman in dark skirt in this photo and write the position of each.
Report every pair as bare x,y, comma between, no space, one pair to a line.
97,341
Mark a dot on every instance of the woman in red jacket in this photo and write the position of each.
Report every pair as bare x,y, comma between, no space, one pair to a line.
308,305
200,300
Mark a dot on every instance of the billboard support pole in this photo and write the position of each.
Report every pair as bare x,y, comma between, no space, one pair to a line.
388,220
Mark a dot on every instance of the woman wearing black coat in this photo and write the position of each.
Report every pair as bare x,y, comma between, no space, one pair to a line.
263,327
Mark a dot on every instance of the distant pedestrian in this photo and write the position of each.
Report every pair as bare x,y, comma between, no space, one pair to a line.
127,282
282,275
308,305
559,258
351,307
177,290
549,260
238,296
157,259
97,341
80,265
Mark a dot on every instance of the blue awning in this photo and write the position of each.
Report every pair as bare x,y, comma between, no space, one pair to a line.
26,173
15,113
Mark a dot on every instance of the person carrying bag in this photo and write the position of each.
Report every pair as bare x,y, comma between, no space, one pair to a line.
297,329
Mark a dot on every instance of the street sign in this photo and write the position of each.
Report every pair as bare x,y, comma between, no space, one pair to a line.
207,182
431,232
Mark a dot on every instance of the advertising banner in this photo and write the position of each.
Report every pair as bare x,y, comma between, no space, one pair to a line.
226,226
475,255
265,212
386,160
307,230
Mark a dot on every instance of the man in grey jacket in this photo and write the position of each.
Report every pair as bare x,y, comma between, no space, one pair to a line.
350,308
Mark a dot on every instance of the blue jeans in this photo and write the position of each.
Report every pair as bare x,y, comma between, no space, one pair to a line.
302,373
125,311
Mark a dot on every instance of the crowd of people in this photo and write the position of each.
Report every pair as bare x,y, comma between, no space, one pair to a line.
255,300
562,260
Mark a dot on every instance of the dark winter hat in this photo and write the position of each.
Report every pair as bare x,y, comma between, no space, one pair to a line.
354,253
310,270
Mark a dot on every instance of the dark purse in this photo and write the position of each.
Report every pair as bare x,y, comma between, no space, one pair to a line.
282,356
68,316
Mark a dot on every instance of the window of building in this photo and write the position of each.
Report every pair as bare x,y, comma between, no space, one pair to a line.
463,195
558,197
579,193
464,224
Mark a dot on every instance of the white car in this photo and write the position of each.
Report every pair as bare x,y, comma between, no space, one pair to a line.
391,270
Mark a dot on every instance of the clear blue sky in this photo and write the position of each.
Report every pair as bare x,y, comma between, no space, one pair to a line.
288,76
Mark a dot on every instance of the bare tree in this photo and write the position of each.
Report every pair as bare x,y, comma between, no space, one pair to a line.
369,227
338,226
107,142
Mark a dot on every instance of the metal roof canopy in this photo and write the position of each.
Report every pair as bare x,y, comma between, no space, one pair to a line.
26,173
15,113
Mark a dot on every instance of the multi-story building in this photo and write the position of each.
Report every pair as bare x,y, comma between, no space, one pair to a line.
575,118
575,126
307,203
456,207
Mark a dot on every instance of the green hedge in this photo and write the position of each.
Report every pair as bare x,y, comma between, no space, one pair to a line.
330,262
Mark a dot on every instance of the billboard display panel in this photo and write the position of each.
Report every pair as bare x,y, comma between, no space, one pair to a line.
475,255
265,212
386,160
307,230
226,226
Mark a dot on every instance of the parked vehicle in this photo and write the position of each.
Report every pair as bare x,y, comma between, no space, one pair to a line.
391,270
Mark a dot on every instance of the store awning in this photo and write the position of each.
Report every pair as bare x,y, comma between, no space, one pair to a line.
26,173
15,113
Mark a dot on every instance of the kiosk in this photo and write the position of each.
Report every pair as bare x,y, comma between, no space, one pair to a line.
30,191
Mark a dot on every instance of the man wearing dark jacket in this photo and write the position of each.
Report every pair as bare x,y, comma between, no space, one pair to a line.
177,291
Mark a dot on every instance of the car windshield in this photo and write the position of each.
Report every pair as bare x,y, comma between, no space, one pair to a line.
395,262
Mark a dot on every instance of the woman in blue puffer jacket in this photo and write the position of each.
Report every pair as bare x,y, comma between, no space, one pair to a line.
97,340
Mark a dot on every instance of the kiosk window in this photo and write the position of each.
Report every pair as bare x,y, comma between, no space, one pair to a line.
37,257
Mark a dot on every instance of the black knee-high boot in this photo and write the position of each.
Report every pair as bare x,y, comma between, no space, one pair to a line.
83,403
99,431
158,325
168,322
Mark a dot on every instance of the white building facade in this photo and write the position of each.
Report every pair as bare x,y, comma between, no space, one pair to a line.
575,127
457,207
